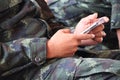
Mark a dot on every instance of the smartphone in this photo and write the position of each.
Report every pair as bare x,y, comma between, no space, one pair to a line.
94,25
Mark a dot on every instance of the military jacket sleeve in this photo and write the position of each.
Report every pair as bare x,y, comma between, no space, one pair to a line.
106,7
24,43
115,15
21,52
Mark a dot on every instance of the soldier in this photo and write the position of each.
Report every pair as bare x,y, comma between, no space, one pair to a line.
70,12
28,52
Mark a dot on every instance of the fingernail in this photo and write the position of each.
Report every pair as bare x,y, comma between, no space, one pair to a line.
104,33
93,35
96,14
106,19
101,39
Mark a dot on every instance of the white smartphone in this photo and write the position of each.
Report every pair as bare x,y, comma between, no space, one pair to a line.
94,25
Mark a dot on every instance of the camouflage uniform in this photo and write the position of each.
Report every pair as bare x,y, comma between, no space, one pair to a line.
70,12
23,50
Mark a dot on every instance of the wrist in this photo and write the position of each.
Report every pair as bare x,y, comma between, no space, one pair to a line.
50,50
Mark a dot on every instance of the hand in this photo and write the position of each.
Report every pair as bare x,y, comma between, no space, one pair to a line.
98,31
64,44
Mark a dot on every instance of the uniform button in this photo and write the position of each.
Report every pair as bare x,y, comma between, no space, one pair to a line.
37,59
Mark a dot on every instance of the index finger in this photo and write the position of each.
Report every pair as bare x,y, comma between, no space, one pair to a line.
84,36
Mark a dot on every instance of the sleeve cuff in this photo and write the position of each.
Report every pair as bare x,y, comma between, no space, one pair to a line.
38,49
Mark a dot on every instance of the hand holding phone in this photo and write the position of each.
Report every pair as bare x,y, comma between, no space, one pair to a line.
94,25
100,21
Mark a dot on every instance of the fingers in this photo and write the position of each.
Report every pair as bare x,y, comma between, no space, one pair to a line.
97,29
89,18
106,19
84,36
100,27
100,34
98,40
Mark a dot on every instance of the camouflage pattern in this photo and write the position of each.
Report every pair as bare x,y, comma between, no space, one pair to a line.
8,4
23,52
69,12
82,69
